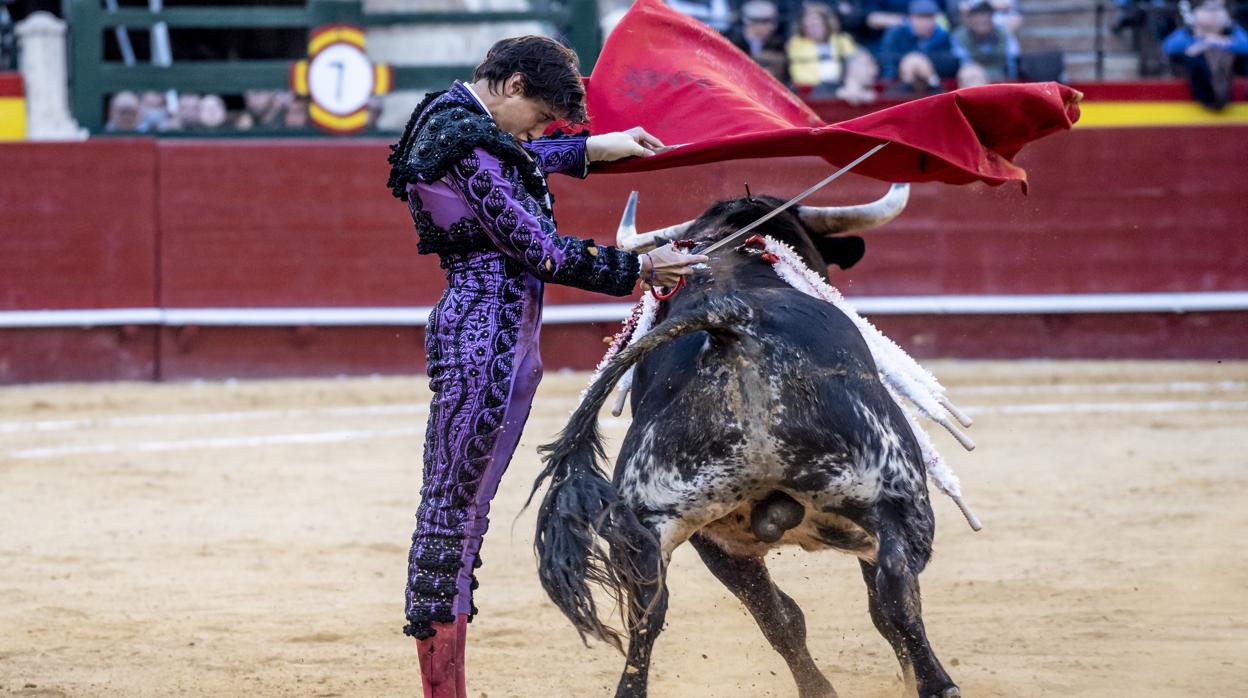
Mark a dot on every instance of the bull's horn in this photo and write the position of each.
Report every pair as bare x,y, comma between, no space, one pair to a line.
830,220
626,384
628,239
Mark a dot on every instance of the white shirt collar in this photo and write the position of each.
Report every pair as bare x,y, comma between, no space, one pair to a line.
487,111
476,97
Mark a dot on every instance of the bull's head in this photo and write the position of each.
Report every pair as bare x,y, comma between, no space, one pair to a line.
821,223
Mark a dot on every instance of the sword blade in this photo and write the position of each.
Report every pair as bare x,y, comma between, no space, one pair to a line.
780,209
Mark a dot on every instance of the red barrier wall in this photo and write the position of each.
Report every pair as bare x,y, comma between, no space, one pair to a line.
78,226
285,223
78,230
181,223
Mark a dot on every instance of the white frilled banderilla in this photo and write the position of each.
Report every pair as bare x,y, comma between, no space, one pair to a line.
900,373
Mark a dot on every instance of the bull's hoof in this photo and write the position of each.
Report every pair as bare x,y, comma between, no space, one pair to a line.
772,516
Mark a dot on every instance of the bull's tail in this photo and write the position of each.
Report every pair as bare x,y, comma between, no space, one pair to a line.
585,535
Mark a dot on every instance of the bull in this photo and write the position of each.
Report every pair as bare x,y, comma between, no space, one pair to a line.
759,420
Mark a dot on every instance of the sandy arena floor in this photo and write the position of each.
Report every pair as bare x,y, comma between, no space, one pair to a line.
250,539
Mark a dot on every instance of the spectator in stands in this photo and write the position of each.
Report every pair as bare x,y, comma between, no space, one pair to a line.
819,50
1207,49
715,13
861,72
296,116
212,112
972,75
265,106
153,113
760,37
123,112
980,41
185,114
918,33
242,120
916,77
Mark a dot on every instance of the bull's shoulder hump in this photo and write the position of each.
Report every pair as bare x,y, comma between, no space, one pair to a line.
788,304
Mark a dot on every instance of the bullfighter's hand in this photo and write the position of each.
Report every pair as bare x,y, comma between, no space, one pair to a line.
666,265
621,144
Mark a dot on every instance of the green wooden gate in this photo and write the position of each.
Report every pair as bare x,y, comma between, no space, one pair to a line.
92,78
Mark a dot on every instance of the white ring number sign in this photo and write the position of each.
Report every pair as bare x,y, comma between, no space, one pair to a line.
340,79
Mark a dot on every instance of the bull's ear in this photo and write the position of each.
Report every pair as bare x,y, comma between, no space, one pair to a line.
844,251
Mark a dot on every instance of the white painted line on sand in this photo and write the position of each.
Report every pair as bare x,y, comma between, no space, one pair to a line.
145,420
412,408
1108,407
156,420
1078,388
328,437
322,437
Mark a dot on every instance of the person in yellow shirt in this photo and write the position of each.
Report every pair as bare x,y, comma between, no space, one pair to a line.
819,49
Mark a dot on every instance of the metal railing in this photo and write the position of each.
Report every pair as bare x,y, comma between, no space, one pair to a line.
93,78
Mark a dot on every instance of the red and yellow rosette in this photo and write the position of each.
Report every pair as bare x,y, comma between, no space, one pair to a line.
339,78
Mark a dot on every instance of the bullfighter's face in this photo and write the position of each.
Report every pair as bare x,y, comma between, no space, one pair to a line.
524,117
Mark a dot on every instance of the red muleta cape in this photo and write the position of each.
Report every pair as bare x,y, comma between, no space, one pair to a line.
687,85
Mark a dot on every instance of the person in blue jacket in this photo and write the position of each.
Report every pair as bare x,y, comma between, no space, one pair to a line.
1208,50
921,34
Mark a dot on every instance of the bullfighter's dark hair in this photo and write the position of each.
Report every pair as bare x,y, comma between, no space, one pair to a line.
550,70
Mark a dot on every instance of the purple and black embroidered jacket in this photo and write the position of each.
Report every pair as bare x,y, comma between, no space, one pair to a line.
480,202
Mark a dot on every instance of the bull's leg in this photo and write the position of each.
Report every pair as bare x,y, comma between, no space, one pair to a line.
882,623
647,592
897,610
777,615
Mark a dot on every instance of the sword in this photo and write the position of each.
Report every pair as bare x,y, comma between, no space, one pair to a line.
780,209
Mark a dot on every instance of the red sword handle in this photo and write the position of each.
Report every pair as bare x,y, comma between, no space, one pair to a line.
654,290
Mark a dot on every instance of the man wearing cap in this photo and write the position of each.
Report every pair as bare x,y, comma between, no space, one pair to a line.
760,37
919,33
981,42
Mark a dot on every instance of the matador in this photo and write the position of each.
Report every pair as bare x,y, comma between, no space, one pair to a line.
472,168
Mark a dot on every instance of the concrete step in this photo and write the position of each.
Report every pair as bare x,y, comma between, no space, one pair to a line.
1067,38
1058,19
1029,7
1119,65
